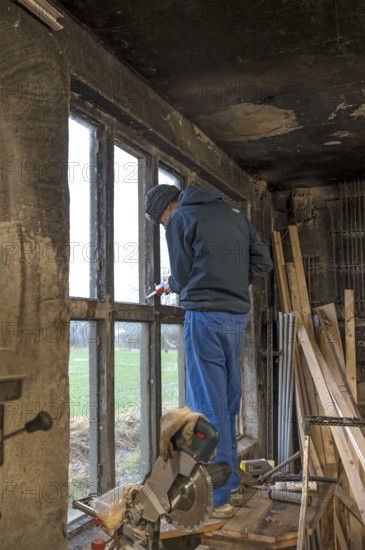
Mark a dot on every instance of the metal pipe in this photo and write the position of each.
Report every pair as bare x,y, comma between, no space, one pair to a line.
79,505
287,387
281,456
280,340
291,352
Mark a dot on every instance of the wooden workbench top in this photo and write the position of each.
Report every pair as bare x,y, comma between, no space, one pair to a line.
264,523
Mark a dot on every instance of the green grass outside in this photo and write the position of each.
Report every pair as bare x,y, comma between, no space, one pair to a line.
127,382
127,417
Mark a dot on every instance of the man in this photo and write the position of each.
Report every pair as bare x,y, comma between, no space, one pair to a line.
215,254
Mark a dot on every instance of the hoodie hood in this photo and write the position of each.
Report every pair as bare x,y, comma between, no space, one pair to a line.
199,195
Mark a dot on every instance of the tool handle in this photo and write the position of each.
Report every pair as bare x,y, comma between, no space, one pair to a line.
42,421
205,439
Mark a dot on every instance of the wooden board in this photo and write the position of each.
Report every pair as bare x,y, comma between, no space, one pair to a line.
331,349
305,392
248,516
281,276
302,285
338,433
350,342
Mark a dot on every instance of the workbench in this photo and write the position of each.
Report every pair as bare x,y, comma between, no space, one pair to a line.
264,523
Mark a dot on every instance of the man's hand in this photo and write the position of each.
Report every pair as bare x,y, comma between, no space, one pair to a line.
171,422
167,288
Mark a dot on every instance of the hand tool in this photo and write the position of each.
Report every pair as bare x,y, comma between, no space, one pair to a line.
159,289
179,490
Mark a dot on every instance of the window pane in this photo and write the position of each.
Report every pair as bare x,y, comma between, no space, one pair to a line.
131,411
126,267
172,367
167,178
81,181
83,412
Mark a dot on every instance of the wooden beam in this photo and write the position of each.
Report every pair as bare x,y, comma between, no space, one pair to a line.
281,276
350,341
302,285
339,534
331,348
339,434
306,394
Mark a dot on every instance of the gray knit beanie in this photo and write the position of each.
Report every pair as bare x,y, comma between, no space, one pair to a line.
158,199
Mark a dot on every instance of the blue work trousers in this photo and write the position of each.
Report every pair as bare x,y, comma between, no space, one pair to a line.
213,343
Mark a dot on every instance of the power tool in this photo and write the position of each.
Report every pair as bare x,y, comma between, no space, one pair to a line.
180,490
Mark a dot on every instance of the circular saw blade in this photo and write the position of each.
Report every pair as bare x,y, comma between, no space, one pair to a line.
191,499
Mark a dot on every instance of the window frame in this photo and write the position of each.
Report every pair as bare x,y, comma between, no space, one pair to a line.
103,309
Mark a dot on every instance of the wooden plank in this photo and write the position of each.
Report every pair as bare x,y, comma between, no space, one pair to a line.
337,432
342,407
349,502
332,352
306,392
302,285
332,331
350,342
248,516
322,501
339,534
293,286
176,533
281,276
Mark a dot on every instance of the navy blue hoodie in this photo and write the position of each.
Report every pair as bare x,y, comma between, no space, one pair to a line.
215,253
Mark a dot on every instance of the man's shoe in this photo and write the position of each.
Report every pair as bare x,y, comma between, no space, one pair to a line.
223,512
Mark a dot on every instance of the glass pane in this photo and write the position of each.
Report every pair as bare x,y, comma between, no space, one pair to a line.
81,179
126,268
166,177
131,411
172,367
83,412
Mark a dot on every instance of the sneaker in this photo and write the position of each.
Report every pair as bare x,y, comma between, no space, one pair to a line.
239,496
223,512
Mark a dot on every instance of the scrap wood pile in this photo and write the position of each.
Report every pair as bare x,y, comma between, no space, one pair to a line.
325,385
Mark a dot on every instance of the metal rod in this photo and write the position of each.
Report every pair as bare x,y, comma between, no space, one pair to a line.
84,508
291,388
279,466
282,456
270,385
280,340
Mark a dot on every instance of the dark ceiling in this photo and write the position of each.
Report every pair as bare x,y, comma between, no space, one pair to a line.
279,85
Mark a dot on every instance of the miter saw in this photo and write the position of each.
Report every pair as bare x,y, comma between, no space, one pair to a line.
180,490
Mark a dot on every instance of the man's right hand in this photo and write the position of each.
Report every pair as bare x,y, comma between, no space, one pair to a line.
167,288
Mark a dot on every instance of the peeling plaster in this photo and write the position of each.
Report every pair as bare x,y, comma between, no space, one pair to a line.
341,134
359,112
246,121
340,107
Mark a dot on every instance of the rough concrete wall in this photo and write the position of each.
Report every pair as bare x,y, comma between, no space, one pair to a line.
33,286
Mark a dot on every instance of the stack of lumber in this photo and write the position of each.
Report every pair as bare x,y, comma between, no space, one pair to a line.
325,385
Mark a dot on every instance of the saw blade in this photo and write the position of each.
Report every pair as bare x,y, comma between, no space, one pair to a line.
191,499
